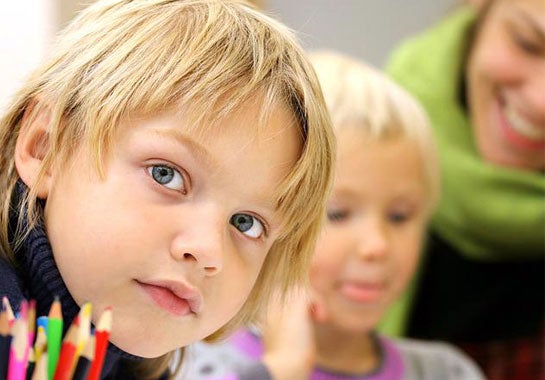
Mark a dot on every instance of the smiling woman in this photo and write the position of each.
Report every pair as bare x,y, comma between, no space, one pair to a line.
481,77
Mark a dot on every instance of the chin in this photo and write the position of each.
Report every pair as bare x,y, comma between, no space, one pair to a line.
148,347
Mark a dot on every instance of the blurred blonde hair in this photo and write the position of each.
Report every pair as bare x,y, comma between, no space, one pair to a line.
360,96
121,58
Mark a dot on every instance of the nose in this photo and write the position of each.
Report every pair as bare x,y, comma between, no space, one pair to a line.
372,240
200,239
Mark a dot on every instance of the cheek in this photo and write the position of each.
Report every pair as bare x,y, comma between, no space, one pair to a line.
406,256
496,63
324,269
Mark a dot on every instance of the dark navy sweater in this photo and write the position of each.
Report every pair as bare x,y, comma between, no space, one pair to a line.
36,276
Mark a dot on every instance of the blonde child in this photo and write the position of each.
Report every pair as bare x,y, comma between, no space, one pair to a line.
170,160
385,189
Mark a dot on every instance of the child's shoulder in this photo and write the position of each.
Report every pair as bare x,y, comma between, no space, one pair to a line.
427,360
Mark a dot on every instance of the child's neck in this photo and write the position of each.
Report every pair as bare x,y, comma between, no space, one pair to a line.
344,351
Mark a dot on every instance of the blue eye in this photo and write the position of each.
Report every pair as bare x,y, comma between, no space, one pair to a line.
167,176
248,225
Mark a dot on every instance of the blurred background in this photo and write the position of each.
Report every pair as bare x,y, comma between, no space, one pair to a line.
368,29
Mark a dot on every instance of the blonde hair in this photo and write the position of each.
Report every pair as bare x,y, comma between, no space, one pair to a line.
121,58
358,95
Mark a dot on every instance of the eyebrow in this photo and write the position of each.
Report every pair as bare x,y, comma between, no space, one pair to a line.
196,148
531,22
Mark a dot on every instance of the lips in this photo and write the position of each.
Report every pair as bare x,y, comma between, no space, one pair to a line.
360,292
517,130
175,297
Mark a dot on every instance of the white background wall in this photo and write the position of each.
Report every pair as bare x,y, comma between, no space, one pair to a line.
368,29
26,27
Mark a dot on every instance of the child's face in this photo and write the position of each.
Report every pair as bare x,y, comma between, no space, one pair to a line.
373,235
175,236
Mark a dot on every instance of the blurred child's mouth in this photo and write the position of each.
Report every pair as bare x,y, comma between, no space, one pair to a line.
172,297
361,292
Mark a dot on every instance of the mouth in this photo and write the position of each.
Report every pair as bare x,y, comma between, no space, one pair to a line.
362,292
175,297
518,130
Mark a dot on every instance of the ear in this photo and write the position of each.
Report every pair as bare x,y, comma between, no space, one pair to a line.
32,146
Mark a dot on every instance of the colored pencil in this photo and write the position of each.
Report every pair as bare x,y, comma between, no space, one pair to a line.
84,362
68,351
84,327
5,343
31,364
19,351
40,370
8,309
102,334
40,344
84,331
42,321
31,321
54,336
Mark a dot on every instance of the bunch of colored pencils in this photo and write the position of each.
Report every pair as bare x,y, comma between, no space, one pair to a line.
44,355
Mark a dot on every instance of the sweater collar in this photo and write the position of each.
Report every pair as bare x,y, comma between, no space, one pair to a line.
42,280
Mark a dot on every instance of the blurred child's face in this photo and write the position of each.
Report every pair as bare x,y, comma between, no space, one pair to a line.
175,236
375,223
506,84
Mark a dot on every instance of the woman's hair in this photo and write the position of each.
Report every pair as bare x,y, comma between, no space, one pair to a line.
121,58
360,96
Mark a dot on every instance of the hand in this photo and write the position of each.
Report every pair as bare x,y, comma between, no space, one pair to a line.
288,338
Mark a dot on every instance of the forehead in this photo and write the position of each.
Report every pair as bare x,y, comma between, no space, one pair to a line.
381,163
529,10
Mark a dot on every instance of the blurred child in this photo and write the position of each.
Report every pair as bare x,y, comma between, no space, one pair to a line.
385,189
165,154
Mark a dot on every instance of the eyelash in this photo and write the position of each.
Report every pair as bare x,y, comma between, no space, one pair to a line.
526,44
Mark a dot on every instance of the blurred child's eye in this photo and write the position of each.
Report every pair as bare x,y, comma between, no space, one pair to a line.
247,224
336,216
167,177
398,217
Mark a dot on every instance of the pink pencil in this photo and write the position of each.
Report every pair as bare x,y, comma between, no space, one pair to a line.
19,351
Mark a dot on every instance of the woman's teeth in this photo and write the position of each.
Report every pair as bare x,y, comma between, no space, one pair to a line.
522,126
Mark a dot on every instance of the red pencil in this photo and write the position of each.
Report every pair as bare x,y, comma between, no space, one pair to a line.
101,343
8,309
68,351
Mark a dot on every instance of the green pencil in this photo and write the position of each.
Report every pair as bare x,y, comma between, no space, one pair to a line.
54,337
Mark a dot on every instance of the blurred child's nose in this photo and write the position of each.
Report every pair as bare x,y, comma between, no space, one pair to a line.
200,239
372,239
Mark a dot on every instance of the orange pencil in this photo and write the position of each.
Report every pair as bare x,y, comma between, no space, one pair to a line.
31,321
5,343
102,334
68,351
